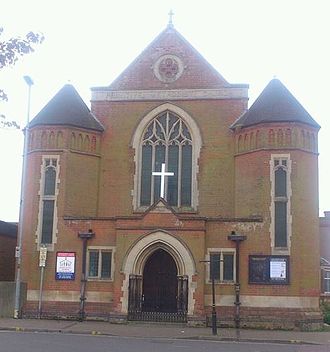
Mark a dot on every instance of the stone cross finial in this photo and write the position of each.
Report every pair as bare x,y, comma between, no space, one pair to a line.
170,18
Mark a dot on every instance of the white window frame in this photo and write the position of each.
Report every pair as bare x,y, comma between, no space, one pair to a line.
327,270
288,169
43,197
220,251
100,249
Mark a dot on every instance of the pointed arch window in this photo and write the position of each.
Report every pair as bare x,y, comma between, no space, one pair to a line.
48,195
281,201
166,139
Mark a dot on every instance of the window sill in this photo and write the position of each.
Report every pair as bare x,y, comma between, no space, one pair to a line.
182,210
99,279
221,282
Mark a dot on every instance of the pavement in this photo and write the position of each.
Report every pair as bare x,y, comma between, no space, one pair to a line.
158,330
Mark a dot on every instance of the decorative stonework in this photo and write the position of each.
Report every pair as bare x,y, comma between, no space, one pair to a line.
138,254
75,140
170,94
276,138
197,144
168,68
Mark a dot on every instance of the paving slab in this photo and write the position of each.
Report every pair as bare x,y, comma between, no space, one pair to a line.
158,330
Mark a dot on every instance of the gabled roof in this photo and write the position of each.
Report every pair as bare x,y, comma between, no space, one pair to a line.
197,72
275,104
67,108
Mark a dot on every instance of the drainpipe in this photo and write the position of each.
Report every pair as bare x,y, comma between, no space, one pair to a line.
237,239
85,236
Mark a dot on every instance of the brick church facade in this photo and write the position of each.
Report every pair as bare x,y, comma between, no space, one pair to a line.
234,197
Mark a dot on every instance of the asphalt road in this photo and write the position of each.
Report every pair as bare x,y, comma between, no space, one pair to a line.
60,342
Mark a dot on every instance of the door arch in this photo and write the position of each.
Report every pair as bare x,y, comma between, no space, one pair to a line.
137,257
160,283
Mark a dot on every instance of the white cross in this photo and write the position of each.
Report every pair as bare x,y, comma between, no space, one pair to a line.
162,175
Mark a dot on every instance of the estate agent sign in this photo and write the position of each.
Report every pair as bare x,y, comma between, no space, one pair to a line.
65,265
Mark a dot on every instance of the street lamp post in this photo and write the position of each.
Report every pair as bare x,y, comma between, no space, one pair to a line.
214,312
237,238
18,253
85,236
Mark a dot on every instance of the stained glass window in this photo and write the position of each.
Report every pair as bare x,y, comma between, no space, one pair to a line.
166,139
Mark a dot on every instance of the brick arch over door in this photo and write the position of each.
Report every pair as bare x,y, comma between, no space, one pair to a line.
138,254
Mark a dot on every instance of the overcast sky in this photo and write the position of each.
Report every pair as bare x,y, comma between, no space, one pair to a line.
89,43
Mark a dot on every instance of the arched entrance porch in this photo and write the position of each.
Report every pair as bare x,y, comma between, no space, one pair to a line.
159,283
158,279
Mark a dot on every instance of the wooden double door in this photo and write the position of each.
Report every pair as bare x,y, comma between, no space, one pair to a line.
159,290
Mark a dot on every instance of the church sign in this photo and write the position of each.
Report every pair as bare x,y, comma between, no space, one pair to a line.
268,269
65,265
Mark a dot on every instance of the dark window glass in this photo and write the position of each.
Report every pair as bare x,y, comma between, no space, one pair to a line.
228,266
280,224
326,281
172,181
146,175
186,175
159,160
93,263
280,183
215,266
47,221
50,181
106,265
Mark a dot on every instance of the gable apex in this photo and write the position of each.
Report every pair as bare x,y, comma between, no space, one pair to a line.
168,62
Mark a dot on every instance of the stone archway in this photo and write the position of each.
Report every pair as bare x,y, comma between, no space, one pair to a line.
136,261
159,285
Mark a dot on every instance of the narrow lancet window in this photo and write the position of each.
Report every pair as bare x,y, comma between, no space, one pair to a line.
281,200
48,200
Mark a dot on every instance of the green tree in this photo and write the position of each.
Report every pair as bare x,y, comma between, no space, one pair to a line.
10,51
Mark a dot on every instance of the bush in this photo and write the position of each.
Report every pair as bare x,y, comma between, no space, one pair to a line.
326,312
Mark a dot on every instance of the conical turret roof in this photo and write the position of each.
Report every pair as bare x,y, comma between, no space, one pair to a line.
275,104
67,108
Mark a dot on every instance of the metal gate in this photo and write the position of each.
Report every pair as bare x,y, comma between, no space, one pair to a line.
138,311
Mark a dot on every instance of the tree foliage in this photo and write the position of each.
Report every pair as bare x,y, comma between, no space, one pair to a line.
10,51
4,123
13,48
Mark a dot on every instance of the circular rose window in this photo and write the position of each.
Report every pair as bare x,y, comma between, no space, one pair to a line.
168,68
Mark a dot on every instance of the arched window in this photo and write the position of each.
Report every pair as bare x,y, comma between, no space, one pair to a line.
48,199
281,201
166,140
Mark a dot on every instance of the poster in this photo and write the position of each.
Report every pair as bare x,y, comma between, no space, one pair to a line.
277,269
65,265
